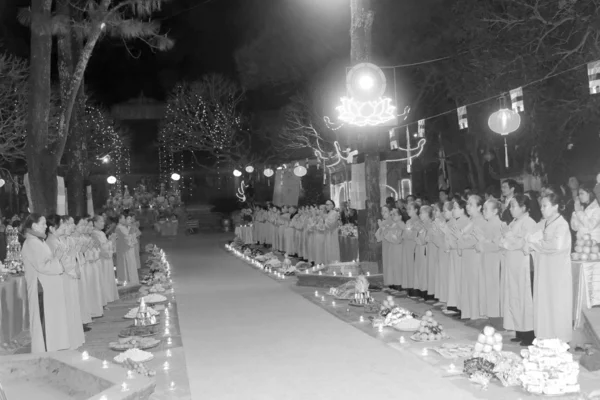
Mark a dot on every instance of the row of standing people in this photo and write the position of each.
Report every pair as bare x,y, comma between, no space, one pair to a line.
70,275
309,232
463,255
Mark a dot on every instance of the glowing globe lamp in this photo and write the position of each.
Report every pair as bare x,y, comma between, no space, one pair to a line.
268,172
111,180
300,171
249,169
175,176
237,173
504,121
366,82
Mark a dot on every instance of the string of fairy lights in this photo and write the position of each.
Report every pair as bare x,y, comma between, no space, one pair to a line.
106,143
194,125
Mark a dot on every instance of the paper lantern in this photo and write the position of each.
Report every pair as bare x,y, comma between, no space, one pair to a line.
300,171
268,172
175,176
504,121
237,173
249,169
111,180
2,182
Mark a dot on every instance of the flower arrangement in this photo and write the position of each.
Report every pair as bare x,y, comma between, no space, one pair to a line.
349,230
149,248
247,215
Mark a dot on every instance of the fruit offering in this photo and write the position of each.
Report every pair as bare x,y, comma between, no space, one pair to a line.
429,330
138,368
488,340
586,249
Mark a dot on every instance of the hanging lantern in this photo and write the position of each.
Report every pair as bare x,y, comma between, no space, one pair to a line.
237,173
299,170
268,172
249,169
111,180
504,122
175,176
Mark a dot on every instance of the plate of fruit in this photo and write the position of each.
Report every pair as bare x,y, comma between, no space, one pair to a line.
430,330
488,341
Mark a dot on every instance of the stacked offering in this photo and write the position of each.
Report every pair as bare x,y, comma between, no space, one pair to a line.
549,368
586,249
488,340
361,299
429,330
144,317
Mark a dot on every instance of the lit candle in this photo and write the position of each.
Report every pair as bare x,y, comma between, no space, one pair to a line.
306,271
402,340
169,341
124,387
172,386
105,364
169,354
350,274
333,303
322,298
166,366
380,329
368,273
320,273
167,332
425,352
452,368
347,310
316,293
334,273
361,319
167,323
282,276
85,356
130,375
124,283
103,397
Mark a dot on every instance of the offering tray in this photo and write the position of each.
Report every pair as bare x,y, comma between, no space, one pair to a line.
415,337
134,342
142,331
147,357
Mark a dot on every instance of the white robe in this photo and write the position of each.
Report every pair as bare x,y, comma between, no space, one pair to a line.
107,268
588,221
41,266
126,263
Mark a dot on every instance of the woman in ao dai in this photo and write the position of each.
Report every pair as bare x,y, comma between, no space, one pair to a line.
48,321
409,244
125,248
310,228
58,229
472,261
107,270
489,244
586,217
443,214
516,291
87,284
283,222
137,233
90,258
453,232
553,281
289,235
421,254
392,244
319,236
332,241
384,224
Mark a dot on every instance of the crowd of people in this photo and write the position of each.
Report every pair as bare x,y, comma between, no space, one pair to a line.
498,258
309,232
69,265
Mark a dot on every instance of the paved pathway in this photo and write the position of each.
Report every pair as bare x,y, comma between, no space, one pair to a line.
247,336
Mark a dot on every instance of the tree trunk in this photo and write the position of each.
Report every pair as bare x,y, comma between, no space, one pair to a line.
362,17
41,162
69,49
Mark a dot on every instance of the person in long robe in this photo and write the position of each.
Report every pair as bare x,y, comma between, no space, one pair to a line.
57,228
472,261
432,257
421,253
310,227
137,234
383,225
319,236
332,240
489,277
409,244
125,248
106,260
553,280
453,233
392,229
48,321
284,220
516,291
443,214
289,233
586,215
88,268
73,247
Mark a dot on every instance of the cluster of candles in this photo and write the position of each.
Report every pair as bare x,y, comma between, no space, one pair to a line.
255,263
